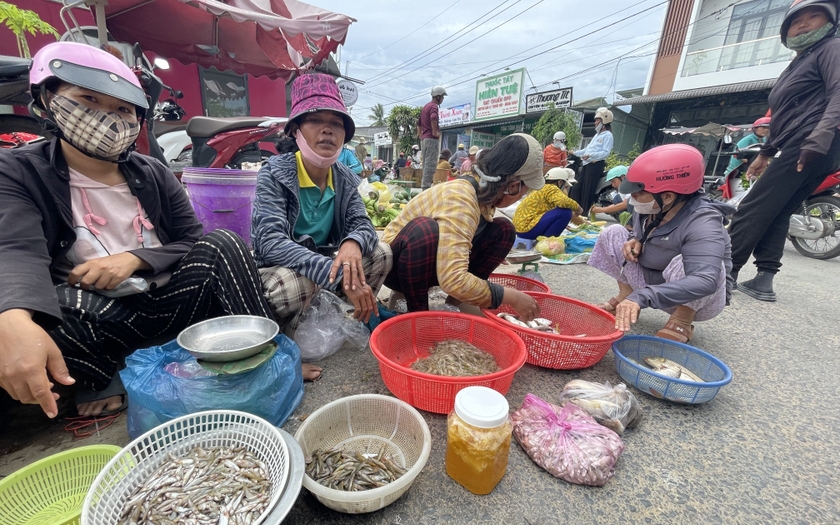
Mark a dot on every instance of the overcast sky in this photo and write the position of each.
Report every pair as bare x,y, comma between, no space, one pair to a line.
401,49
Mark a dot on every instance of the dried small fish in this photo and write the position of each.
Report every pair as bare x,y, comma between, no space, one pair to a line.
222,485
456,358
340,469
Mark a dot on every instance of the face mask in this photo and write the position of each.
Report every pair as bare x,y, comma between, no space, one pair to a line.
806,40
559,144
644,208
598,128
310,155
100,134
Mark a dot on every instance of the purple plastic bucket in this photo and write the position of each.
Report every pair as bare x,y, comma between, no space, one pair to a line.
222,200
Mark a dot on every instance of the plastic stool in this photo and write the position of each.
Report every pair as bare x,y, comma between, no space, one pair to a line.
523,244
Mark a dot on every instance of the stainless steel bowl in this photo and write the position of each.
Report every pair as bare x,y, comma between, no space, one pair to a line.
228,338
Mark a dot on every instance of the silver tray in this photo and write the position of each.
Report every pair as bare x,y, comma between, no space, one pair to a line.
519,256
228,338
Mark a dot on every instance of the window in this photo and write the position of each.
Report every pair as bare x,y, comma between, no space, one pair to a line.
755,25
224,94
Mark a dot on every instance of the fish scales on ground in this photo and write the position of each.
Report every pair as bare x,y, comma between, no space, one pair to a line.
352,471
218,486
455,358
668,368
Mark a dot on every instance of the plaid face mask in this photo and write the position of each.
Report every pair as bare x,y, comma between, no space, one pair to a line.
98,133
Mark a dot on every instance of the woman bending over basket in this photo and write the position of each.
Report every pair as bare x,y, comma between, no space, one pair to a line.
678,255
309,226
447,235
100,249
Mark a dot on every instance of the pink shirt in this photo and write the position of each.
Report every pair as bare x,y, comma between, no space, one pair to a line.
427,115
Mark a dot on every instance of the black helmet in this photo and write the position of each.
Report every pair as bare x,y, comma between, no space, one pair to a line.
798,5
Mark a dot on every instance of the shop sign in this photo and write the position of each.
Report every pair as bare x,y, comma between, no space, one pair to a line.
454,115
560,98
382,139
483,140
348,91
498,96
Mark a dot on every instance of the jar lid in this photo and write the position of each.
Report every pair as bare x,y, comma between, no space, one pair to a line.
481,407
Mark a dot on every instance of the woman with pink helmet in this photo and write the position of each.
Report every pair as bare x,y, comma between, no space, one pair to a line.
100,249
678,255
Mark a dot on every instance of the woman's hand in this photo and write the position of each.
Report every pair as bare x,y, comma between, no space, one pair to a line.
526,307
631,250
626,313
106,273
758,166
594,209
364,302
350,257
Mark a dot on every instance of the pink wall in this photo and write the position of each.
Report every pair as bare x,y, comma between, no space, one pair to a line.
267,97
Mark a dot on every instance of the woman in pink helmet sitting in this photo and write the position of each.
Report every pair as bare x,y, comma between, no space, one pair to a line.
100,249
678,255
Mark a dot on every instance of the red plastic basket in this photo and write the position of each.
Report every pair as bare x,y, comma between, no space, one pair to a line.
517,282
403,339
568,350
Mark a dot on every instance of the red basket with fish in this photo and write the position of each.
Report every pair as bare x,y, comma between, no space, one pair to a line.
400,341
584,332
517,282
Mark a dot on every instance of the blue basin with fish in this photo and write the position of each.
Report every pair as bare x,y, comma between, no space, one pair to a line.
631,350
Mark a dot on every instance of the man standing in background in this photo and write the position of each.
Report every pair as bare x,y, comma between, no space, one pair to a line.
429,134
361,150
458,158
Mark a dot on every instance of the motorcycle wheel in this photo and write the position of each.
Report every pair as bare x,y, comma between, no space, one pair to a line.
826,207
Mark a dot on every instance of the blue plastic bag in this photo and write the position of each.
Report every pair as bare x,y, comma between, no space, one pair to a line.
271,391
579,244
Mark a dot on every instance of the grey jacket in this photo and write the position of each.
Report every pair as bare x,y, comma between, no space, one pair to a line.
698,234
806,99
276,210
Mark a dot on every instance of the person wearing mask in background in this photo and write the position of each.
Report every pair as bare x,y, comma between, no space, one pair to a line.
620,202
760,130
805,103
548,210
349,159
361,151
555,154
448,236
309,226
466,166
429,133
458,158
678,255
416,157
593,157
368,162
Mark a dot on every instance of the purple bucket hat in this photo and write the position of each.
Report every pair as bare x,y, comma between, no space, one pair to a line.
315,92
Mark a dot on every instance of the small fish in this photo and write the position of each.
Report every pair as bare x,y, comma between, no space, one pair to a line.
353,472
668,368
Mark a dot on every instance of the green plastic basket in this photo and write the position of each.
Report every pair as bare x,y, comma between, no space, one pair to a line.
51,491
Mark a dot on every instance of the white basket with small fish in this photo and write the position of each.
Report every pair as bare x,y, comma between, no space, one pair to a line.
218,466
669,370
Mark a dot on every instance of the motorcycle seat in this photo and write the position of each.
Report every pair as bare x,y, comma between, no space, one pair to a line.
210,126
14,67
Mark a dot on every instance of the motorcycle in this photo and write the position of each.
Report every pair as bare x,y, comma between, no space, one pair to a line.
16,130
230,141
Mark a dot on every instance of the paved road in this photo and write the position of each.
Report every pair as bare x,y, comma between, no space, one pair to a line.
766,450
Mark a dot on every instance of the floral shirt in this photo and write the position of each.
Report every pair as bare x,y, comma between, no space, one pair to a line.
537,203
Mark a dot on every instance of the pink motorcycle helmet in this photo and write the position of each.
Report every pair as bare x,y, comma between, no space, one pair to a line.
674,167
88,67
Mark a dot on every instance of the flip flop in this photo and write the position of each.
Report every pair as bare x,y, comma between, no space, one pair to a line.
114,388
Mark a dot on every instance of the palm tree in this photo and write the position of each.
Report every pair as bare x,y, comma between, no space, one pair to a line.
377,115
22,21
402,126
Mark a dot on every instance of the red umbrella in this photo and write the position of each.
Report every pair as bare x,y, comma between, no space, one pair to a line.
261,37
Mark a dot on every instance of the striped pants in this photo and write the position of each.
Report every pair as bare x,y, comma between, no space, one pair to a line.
216,277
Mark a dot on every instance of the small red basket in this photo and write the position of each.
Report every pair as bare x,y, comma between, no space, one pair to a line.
586,332
517,282
403,339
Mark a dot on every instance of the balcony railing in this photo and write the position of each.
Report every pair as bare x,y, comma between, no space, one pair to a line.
735,56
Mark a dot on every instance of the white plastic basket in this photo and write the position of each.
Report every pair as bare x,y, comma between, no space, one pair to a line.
214,428
364,423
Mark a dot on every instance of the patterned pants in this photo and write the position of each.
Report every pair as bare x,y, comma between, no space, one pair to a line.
289,292
607,256
415,257
216,277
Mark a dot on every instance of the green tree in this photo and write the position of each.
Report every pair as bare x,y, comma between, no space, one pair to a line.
22,21
555,120
377,115
402,126
616,160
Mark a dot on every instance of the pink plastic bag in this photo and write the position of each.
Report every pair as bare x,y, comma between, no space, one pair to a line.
566,441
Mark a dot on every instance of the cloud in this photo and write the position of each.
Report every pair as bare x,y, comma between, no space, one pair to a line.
380,41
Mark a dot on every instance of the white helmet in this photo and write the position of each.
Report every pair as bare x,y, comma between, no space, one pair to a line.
559,136
438,90
605,115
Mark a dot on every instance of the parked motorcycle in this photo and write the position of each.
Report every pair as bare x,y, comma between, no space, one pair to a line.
16,130
230,141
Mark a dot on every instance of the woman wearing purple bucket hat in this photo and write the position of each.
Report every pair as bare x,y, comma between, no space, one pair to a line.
309,226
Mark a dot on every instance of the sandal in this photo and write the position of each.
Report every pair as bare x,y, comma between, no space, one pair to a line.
676,332
114,388
611,305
